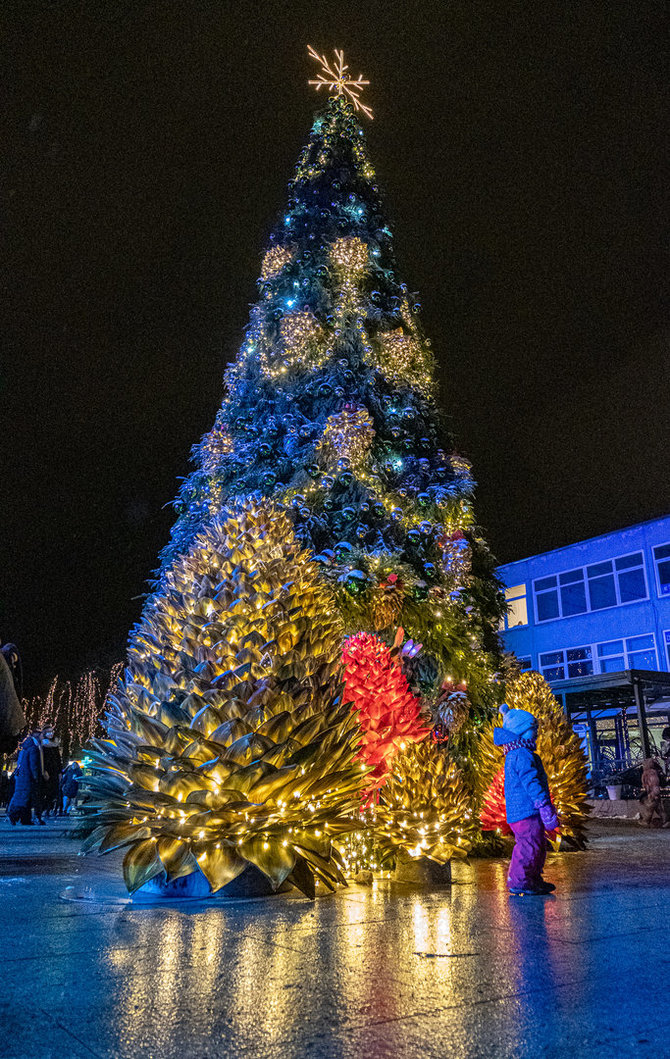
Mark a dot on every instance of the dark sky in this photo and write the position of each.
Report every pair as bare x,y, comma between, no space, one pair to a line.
146,154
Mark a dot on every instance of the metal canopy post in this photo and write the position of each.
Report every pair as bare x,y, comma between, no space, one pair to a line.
641,715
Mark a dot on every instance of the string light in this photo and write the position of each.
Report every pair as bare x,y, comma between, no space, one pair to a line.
348,434
275,261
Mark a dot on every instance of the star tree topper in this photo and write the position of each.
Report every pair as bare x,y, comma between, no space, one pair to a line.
337,79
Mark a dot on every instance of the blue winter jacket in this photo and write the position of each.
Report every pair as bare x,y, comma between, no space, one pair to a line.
526,786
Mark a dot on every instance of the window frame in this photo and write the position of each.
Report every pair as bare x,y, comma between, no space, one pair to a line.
596,657
585,581
665,544
514,599
666,644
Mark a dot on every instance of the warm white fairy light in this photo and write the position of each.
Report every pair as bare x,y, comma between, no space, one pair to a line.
338,80
276,259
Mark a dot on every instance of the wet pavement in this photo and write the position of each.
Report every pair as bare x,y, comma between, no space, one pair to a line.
391,971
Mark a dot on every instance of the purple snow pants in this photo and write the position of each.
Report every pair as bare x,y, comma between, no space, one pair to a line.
529,853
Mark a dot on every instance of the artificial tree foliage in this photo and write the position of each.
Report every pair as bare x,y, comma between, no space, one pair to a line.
330,409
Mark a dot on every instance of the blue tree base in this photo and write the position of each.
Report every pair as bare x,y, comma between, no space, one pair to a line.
251,883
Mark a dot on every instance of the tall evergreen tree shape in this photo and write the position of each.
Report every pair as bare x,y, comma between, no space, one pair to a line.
330,410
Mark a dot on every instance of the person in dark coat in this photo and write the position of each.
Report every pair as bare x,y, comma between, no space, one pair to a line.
53,766
70,786
12,717
527,801
28,780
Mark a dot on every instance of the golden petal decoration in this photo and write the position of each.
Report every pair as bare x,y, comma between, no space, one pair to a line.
140,864
228,734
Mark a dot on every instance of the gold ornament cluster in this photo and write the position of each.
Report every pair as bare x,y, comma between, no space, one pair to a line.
403,358
350,254
275,261
216,444
228,743
349,434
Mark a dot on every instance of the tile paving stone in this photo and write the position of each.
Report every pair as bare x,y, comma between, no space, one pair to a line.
387,971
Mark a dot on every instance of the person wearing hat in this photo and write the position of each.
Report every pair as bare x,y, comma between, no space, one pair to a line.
527,801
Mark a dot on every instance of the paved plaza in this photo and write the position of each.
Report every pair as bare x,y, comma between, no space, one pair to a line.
388,971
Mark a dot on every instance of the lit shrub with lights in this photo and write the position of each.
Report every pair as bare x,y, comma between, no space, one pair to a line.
425,809
229,741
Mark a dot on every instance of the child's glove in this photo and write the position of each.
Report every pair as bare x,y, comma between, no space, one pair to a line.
549,818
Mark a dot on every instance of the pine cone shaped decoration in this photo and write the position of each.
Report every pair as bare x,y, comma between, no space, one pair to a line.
424,807
492,816
387,600
229,742
348,435
388,713
452,709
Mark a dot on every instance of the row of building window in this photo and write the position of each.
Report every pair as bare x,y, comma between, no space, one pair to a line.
610,583
633,652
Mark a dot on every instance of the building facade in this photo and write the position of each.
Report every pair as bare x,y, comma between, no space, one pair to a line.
599,606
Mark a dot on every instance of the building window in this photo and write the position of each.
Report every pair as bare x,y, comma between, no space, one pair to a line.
572,662
525,664
637,652
641,652
611,657
609,584
552,665
517,606
630,577
662,560
667,648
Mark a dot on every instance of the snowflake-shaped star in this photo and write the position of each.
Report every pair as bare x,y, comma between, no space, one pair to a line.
337,79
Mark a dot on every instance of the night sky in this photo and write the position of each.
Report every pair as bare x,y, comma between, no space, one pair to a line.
146,155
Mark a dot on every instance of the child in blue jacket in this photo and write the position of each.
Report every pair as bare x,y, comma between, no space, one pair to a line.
527,801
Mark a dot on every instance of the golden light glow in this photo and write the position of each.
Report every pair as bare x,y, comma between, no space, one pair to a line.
338,80
350,254
217,757
349,433
276,259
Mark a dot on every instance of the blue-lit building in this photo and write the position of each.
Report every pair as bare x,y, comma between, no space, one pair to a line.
593,617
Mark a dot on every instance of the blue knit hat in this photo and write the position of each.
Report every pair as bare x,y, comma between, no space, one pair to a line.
521,722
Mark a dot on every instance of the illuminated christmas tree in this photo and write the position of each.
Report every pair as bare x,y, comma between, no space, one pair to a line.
327,501
330,410
229,742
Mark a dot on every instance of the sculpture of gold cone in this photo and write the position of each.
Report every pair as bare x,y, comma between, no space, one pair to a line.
387,601
229,742
559,749
424,807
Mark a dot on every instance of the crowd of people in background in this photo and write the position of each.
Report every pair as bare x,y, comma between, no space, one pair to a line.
34,784
39,786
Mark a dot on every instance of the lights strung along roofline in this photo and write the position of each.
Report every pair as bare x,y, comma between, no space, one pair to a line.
336,78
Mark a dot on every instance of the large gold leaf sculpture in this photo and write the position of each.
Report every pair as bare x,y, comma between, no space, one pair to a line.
424,807
229,743
559,749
